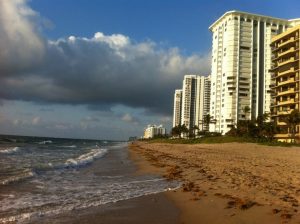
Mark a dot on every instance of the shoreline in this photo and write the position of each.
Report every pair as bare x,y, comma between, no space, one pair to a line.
226,183
146,209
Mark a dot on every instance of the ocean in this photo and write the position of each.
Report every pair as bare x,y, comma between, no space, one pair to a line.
41,178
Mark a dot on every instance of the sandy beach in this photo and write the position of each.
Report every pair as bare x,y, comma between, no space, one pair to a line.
227,183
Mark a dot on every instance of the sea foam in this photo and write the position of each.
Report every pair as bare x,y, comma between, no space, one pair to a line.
17,178
85,158
9,150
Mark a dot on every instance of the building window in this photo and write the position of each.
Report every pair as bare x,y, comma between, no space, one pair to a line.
244,48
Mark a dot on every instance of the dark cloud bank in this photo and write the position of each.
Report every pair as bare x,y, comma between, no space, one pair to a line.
100,71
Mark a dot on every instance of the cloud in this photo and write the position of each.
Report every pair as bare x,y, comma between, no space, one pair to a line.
130,119
21,45
36,120
100,71
90,119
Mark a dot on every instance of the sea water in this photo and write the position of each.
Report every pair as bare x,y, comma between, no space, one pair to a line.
42,178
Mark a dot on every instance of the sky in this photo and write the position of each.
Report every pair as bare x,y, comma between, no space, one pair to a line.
104,69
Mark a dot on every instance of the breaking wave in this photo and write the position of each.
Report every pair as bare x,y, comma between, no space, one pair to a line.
10,150
17,178
85,158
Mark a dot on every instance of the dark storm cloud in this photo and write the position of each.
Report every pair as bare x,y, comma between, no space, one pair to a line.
102,70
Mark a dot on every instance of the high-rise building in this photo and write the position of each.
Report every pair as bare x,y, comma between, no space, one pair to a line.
195,100
241,60
177,107
285,49
152,131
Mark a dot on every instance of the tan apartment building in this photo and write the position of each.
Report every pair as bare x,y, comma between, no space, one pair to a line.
285,75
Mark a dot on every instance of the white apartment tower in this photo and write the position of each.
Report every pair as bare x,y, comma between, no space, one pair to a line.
241,60
195,100
177,107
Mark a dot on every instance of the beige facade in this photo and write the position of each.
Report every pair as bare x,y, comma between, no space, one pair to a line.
154,130
285,73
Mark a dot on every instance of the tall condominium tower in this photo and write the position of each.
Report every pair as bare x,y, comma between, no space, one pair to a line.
177,107
285,49
241,60
195,100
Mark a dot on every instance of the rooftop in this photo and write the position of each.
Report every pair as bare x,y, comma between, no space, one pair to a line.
250,15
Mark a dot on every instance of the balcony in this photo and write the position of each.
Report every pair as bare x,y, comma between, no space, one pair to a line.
286,102
284,62
281,123
291,70
284,112
292,90
286,42
291,50
291,80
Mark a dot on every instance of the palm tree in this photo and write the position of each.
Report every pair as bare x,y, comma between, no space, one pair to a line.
176,131
292,120
193,131
208,120
184,130
179,129
246,110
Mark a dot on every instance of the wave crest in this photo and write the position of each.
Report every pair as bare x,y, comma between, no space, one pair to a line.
20,177
85,158
10,150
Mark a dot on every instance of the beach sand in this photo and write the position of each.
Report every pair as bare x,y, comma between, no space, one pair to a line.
227,183
150,209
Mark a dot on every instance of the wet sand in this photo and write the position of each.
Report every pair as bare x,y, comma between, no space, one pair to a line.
150,209
227,183
156,208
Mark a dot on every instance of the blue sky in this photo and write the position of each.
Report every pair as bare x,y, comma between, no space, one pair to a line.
171,22
104,69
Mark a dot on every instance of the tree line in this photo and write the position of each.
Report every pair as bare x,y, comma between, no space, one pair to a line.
262,128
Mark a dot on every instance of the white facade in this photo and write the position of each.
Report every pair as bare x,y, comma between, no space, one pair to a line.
153,130
177,107
195,100
241,60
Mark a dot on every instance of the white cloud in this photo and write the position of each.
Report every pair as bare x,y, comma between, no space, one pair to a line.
129,118
36,120
20,42
100,72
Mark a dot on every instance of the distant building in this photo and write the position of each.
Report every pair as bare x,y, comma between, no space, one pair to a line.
285,49
177,107
153,130
132,138
195,101
241,62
